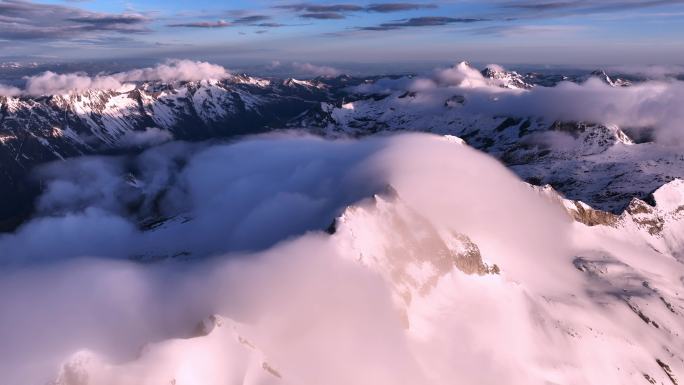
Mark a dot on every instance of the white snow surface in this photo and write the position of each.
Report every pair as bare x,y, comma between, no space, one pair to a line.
567,304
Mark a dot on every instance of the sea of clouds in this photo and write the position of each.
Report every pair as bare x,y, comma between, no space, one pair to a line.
647,105
51,83
244,237
251,246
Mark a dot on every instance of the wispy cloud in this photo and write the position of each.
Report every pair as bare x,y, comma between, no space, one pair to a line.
339,11
517,30
316,8
250,20
203,24
23,20
316,70
398,7
51,83
561,8
427,21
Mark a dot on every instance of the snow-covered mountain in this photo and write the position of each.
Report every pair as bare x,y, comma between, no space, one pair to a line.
35,130
412,258
598,163
216,354
603,76
610,312
605,165
508,79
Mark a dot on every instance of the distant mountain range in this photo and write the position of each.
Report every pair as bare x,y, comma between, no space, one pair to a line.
35,130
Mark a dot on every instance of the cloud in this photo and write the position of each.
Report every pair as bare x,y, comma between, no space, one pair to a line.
24,20
252,20
306,304
644,105
175,70
398,7
203,24
251,195
343,8
339,11
149,137
649,72
9,91
322,15
518,30
270,25
588,6
50,83
462,75
541,5
426,21
178,179
552,9
316,70
104,20
319,8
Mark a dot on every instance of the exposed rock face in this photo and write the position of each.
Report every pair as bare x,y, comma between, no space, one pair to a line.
660,223
577,210
598,164
644,216
583,213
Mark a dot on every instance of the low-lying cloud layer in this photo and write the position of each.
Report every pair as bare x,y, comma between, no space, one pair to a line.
28,21
50,83
644,105
244,238
316,70
235,202
305,69
308,306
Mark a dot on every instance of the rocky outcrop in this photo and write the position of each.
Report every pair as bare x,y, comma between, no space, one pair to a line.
666,209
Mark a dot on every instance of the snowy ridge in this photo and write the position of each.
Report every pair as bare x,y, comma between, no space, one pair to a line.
615,318
387,236
597,163
659,224
109,114
505,78
421,262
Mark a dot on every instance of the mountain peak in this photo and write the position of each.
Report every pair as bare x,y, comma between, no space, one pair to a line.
505,79
604,77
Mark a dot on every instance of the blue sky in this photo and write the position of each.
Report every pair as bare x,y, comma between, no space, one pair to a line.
571,32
